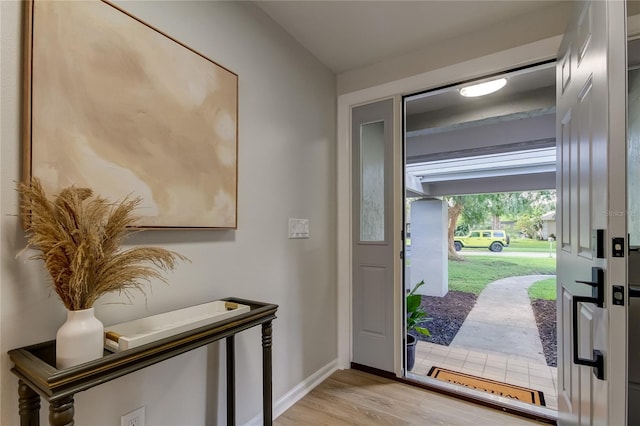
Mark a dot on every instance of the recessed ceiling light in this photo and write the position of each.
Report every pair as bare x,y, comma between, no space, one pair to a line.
482,89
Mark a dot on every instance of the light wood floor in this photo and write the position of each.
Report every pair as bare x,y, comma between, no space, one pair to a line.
351,397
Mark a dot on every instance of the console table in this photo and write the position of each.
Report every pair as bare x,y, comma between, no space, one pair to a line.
35,366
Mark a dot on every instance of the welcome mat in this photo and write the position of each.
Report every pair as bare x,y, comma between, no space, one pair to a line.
506,390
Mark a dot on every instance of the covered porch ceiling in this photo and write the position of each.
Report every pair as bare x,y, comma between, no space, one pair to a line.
528,161
503,142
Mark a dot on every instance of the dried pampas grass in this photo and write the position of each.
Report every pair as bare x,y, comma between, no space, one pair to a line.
79,237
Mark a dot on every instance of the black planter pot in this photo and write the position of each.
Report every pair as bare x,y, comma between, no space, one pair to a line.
411,351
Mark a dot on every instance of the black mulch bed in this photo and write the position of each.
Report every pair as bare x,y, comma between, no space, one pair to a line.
449,312
545,313
447,315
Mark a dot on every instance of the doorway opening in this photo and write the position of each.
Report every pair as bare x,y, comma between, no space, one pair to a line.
479,217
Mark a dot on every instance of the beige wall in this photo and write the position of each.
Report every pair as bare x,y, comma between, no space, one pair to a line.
286,169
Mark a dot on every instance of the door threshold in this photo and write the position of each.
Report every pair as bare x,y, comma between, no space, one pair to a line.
535,412
530,411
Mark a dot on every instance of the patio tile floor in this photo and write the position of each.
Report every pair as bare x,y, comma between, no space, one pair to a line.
494,366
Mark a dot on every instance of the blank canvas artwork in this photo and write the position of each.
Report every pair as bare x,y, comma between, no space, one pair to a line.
117,106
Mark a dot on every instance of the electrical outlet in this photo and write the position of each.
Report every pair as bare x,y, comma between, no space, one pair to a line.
133,418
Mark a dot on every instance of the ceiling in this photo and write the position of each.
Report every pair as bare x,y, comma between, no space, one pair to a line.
346,35
504,141
480,143
525,80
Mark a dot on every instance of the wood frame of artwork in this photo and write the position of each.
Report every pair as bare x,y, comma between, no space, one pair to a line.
114,104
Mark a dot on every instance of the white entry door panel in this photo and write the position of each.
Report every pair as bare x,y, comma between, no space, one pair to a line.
373,256
591,141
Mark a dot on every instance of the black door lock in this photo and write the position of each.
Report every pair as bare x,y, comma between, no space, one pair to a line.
618,295
617,247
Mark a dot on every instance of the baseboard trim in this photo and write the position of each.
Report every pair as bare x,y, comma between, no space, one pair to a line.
374,371
297,392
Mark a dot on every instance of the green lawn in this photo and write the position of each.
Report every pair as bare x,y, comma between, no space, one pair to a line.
545,290
526,244
473,275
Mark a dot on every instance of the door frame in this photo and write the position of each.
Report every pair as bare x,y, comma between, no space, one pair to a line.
527,54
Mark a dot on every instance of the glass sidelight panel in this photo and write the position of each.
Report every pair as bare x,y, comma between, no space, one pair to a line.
372,213
633,157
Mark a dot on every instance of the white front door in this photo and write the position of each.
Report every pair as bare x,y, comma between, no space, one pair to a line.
591,140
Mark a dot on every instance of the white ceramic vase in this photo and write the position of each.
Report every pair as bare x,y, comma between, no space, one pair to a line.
80,339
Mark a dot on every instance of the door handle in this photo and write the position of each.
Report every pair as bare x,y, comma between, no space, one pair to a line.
634,291
597,287
597,298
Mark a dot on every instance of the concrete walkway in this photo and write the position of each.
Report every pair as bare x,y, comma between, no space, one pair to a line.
502,321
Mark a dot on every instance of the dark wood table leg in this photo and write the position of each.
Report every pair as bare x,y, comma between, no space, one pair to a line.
61,412
28,405
231,381
267,408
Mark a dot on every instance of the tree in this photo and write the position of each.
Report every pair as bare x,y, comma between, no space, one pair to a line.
453,213
472,209
476,210
530,224
537,204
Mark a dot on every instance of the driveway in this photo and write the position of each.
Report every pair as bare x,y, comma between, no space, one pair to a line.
507,253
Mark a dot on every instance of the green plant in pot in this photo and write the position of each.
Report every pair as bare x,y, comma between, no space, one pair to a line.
415,316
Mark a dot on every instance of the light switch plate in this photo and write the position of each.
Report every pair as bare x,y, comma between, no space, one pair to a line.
298,228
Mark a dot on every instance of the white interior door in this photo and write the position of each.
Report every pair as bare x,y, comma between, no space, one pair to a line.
373,249
591,140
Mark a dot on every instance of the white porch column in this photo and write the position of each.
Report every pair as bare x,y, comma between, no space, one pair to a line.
429,247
